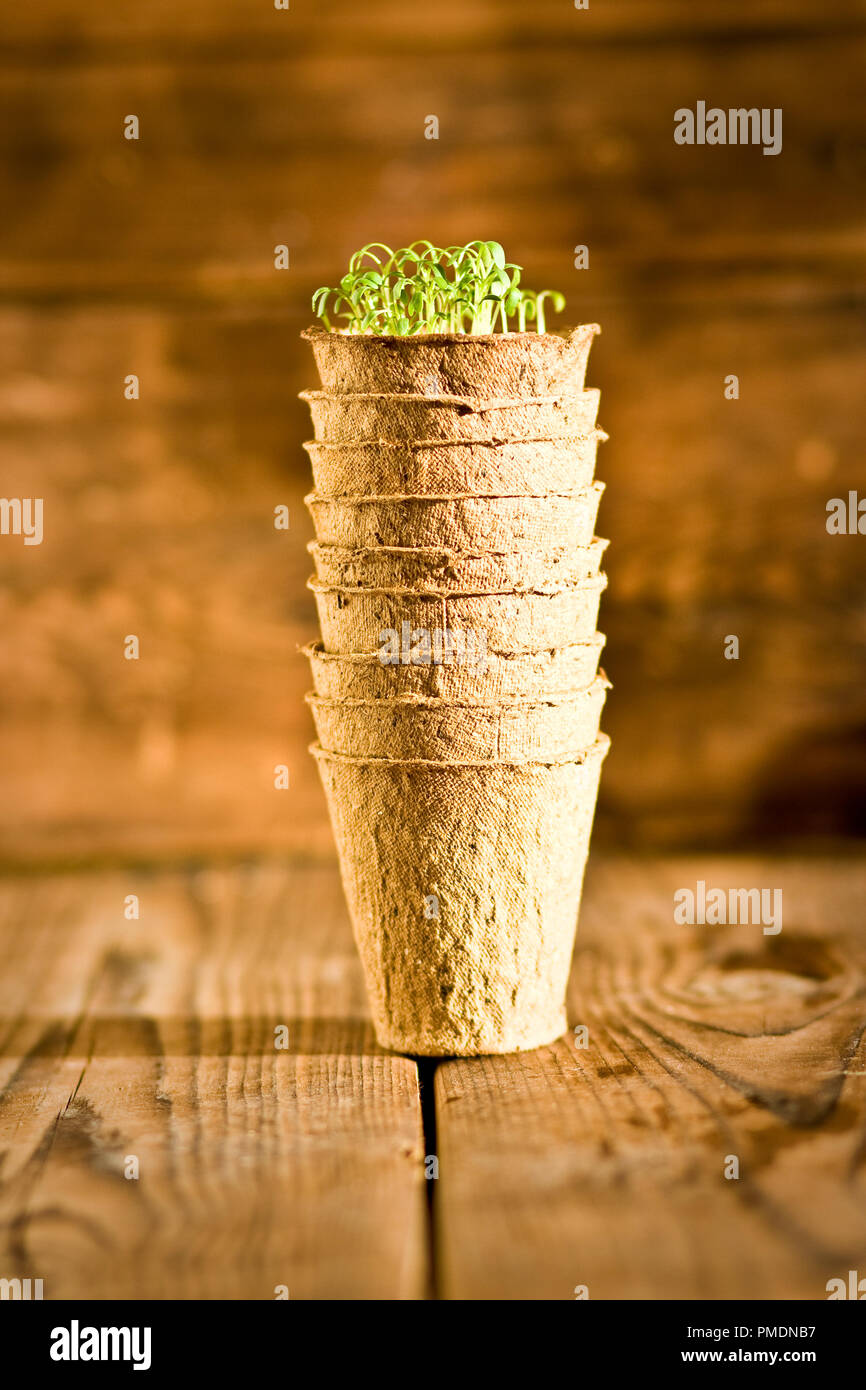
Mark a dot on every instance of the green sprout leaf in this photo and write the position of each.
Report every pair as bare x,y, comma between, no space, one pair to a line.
424,289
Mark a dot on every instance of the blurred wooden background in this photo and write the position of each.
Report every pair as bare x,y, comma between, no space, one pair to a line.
306,127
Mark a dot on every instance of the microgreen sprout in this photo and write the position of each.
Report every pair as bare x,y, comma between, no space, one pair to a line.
425,289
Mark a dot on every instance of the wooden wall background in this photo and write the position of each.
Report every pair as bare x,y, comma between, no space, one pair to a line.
307,127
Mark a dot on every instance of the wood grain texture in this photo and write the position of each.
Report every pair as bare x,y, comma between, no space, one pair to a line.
604,1166
306,127
159,521
601,1166
58,26
323,148
155,1038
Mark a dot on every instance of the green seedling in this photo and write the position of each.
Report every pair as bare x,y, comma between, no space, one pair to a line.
423,288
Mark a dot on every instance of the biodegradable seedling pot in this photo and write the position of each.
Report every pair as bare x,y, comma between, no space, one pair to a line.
486,367
527,467
476,524
347,419
530,676
463,884
533,467
442,731
398,567
354,620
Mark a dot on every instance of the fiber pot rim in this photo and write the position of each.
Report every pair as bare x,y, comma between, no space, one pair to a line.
363,498
565,335
316,649
449,553
440,702
599,749
415,444
475,405
590,582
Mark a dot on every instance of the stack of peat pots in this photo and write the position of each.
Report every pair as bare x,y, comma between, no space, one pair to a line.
456,688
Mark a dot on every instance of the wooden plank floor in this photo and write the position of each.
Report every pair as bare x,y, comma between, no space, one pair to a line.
305,127
600,1166
604,1166
258,1167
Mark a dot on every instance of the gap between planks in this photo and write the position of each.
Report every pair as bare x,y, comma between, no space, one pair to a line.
154,1038
604,1168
